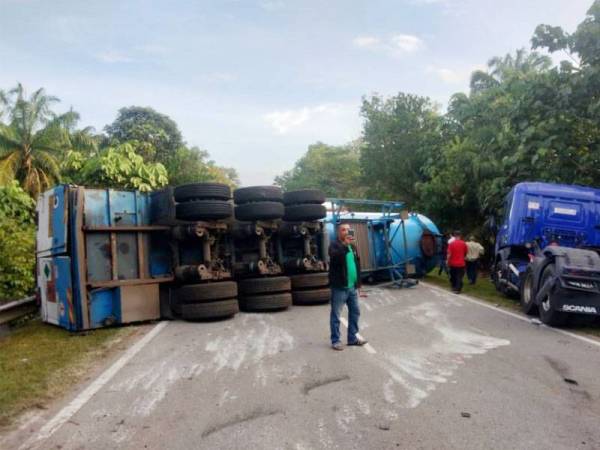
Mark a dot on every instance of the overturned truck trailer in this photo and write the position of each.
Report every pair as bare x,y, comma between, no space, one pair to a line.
99,259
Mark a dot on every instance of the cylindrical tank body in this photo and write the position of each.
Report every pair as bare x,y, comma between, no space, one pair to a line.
406,242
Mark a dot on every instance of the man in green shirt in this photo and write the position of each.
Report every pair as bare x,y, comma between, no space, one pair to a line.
344,279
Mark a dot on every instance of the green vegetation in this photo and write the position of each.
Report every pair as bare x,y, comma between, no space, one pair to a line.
40,362
484,289
334,170
17,245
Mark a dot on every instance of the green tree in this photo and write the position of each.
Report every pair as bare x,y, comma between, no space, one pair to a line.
17,245
31,142
192,165
402,135
522,63
156,135
118,167
333,169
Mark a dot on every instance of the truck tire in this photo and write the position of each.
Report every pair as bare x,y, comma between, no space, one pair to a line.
254,286
303,196
548,314
310,280
259,211
527,297
214,310
311,297
202,191
203,210
206,292
306,212
268,302
245,195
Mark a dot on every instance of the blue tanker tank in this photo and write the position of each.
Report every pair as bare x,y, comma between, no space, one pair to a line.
387,243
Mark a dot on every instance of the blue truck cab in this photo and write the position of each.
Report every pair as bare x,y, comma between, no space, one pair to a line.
547,250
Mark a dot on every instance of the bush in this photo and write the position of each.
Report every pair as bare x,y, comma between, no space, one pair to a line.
17,243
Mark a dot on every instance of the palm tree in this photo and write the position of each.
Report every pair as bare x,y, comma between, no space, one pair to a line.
499,69
34,139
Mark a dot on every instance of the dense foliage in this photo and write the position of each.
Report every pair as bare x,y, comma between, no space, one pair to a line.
335,170
17,247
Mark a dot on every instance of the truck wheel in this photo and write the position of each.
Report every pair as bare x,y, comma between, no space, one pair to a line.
303,196
202,191
311,297
310,280
269,302
214,310
527,297
259,211
206,292
548,314
203,210
307,212
253,286
257,194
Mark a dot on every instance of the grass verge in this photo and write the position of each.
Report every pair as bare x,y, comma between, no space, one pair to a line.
39,362
485,290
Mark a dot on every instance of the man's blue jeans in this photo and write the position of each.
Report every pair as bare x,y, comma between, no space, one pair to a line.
339,297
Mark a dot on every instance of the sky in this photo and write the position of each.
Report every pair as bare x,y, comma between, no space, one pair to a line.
254,82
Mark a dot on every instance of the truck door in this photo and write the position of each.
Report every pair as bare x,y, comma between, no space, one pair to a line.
52,214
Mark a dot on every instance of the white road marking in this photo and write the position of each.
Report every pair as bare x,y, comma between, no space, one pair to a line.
77,403
367,346
418,371
508,313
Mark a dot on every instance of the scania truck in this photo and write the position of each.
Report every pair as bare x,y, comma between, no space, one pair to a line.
547,250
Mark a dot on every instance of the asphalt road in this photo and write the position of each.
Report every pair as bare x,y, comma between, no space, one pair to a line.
441,372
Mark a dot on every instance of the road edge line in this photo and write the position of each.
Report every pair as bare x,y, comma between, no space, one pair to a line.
468,298
84,396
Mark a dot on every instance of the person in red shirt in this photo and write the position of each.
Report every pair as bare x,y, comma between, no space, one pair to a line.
457,250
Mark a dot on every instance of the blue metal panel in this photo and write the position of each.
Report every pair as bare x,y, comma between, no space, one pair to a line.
123,208
547,212
67,317
105,307
52,222
78,296
160,256
97,211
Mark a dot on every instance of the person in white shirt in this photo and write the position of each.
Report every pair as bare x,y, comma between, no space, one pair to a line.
474,252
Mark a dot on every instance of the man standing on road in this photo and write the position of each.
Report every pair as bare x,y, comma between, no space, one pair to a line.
474,252
457,250
344,279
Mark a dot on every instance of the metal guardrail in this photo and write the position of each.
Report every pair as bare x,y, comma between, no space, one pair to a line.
17,309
